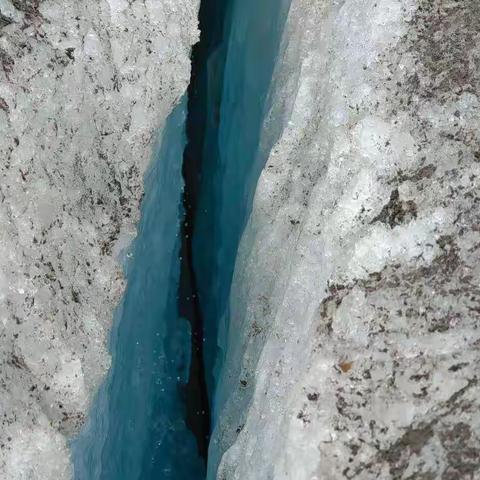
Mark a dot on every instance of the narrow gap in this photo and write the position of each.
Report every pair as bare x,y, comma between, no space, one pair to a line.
198,417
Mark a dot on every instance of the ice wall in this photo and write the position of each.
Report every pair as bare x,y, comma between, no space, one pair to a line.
136,428
84,88
239,70
353,327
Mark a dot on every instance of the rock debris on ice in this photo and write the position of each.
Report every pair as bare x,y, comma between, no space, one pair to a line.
354,331
84,88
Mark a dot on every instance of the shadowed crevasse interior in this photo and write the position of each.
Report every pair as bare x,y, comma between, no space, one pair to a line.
235,147
152,417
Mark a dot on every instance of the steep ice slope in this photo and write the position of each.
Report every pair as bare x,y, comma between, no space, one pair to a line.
136,427
84,87
239,72
353,338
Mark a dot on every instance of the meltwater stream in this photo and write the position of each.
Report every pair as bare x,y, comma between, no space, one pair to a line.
152,417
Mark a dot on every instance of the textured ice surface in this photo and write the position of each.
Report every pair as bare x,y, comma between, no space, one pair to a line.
353,337
84,87
137,428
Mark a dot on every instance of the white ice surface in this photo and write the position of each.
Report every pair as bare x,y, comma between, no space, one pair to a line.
353,338
85,87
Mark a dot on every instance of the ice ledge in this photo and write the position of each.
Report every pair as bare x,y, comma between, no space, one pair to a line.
355,307
84,87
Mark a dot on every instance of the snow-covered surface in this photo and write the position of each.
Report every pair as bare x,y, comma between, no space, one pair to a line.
84,88
353,341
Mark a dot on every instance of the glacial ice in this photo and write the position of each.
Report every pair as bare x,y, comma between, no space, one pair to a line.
340,289
352,334
83,91
136,428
